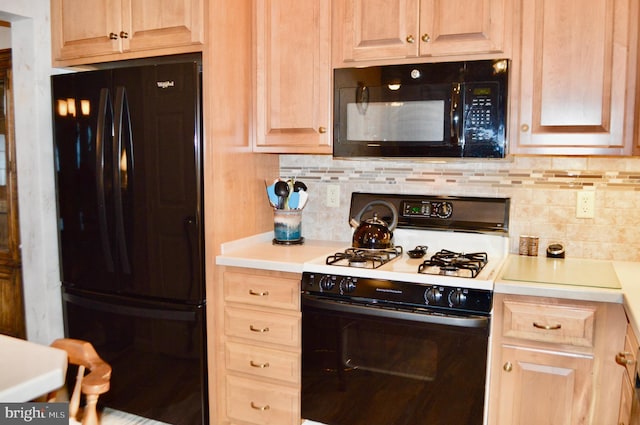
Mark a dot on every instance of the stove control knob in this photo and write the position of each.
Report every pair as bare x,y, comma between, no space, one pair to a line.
458,297
327,283
347,285
432,295
444,210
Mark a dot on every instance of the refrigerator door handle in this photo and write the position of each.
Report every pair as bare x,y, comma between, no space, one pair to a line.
103,108
122,170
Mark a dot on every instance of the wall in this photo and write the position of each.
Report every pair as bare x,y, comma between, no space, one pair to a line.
542,191
5,37
31,50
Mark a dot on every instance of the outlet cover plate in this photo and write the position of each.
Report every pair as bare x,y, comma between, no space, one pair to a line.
585,204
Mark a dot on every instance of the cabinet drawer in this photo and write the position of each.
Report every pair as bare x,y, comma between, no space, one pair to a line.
260,403
555,323
262,290
263,327
263,362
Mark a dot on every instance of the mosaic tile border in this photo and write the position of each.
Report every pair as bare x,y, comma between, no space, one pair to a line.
490,174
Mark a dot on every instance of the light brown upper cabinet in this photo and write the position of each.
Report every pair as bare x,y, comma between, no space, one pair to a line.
88,31
574,77
371,30
293,76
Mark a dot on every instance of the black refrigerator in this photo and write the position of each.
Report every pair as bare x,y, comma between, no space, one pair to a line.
128,162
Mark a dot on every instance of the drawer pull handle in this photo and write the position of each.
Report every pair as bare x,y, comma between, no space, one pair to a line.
621,358
258,294
261,330
547,327
261,408
258,365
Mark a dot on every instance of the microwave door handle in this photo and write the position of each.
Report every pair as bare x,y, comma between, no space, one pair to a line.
454,114
362,98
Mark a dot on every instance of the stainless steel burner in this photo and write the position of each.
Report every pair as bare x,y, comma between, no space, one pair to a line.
364,258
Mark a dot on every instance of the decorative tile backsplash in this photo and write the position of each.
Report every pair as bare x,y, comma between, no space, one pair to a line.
542,191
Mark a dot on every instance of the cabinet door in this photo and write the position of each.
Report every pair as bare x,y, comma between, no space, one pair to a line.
83,28
544,387
450,27
293,79
576,78
379,29
12,320
153,24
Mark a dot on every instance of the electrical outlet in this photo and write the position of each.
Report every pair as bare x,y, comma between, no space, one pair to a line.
585,204
333,195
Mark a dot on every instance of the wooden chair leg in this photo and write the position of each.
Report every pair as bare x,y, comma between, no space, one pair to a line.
90,414
74,402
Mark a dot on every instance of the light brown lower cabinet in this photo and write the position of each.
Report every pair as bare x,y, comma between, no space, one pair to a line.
628,359
554,361
259,374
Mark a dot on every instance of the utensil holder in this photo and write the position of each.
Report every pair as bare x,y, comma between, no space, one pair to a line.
287,227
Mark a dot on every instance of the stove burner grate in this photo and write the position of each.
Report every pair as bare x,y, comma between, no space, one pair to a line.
451,263
364,258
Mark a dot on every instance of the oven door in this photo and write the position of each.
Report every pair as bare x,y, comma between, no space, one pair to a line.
366,365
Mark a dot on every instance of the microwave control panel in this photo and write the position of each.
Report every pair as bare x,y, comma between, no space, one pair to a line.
482,123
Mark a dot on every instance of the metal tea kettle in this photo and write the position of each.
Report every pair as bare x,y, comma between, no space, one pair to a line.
374,233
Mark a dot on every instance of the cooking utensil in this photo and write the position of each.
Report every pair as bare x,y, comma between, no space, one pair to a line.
298,186
271,194
281,189
374,233
294,200
303,199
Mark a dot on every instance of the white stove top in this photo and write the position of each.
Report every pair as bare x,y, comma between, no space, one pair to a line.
405,269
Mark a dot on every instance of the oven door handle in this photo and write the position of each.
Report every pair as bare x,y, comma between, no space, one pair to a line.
378,311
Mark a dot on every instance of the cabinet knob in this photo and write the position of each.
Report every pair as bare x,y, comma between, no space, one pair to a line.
124,34
621,358
261,408
113,36
410,39
508,367
322,130
524,127
425,37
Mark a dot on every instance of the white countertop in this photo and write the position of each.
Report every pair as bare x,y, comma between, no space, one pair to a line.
571,278
629,275
29,370
258,252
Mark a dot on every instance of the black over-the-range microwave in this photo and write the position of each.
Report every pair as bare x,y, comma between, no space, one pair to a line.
443,110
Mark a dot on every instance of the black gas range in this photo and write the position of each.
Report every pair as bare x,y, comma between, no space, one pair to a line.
410,333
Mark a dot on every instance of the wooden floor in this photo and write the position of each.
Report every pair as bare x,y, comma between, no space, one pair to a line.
116,417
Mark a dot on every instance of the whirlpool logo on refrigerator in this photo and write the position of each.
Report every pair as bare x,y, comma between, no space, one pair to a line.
165,84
